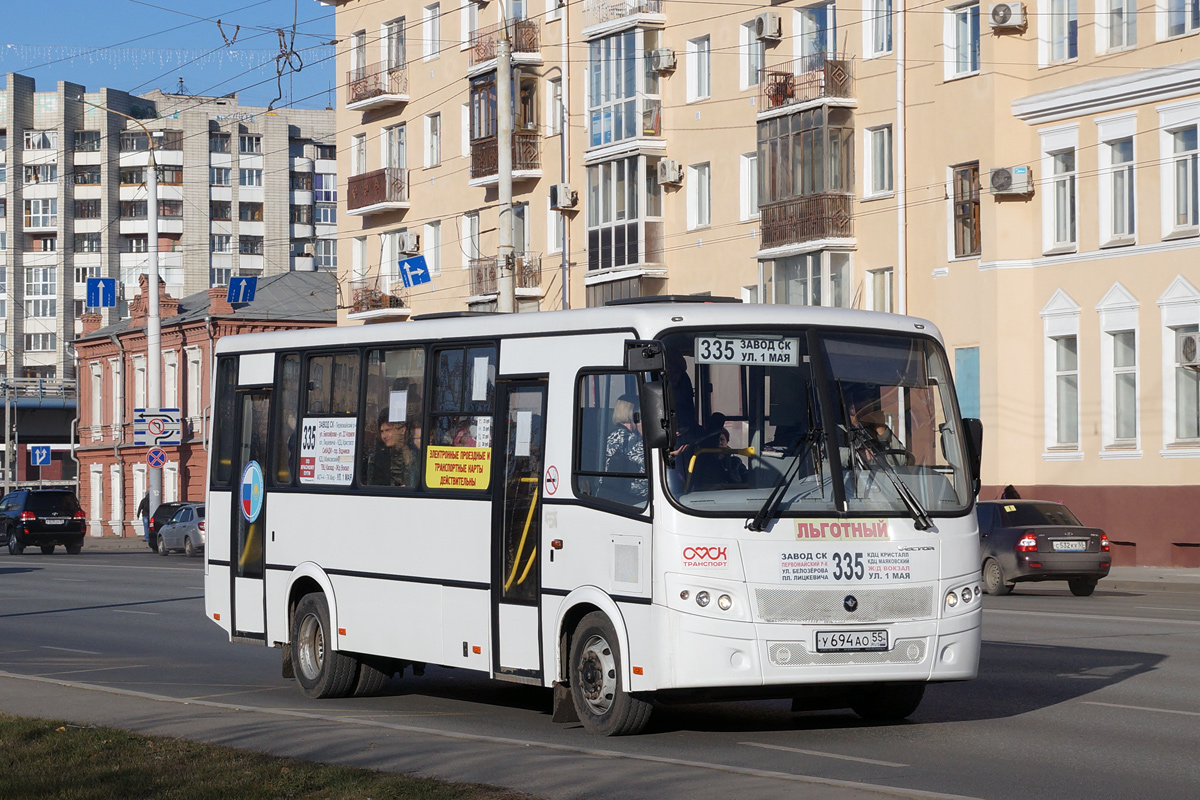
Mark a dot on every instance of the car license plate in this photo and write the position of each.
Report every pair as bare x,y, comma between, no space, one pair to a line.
54,521
1071,545
851,641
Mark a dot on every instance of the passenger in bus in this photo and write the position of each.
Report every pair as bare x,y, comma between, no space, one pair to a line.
464,433
624,453
394,461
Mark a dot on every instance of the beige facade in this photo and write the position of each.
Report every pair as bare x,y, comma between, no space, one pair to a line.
841,156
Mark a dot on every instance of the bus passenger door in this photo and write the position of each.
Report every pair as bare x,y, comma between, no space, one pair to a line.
249,516
516,531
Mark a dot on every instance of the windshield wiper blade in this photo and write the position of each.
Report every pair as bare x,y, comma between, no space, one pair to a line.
800,450
861,439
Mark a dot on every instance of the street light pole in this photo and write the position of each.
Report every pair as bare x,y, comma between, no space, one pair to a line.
504,150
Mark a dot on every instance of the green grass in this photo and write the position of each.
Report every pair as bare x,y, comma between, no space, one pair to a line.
45,759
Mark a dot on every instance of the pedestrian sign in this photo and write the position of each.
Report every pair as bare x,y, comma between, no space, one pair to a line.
101,292
241,290
156,457
39,455
414,271
157,428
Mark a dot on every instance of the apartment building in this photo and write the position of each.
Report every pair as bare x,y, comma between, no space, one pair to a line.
1026,181
242,191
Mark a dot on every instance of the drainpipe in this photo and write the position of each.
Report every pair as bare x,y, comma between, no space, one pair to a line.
120,428
75,422
212,362
901,170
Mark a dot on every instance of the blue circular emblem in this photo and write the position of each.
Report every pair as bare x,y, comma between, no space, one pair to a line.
252,491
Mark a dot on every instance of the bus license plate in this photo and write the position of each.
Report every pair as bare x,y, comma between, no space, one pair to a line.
1076,545
851,641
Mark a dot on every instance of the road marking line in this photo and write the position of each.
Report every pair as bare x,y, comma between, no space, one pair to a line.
1103,617
69,580
1165,608
124,611
824,755
882,789
1143,708
72,650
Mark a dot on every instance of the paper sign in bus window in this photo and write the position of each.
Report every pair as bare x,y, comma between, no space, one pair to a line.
327,450
479,379
524,434
398,406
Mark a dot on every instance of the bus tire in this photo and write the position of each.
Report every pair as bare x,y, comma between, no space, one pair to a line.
373,675
603,705
321,671
890,702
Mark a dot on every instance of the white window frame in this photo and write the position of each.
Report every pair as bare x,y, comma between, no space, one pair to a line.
431,31
805,42
358,154
464,128
96,369
1173,118
950,27
1118,312
1056,16
468,22
748,186
871,190
116,479
393,31
1116,19
878,22
817,261
699,196
431,246
1165,9
1060,320
1179,307
139,381
170,379
470,238
554,10
1055,141
554,105
358,258
116,375
433,140
752,56
872,300
699,69
358,52
195,384
555,227
1111,131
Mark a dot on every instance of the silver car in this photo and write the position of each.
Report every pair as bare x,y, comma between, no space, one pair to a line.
184,531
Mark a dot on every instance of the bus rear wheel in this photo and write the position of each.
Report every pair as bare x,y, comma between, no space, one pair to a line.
320,670
887,703
603,705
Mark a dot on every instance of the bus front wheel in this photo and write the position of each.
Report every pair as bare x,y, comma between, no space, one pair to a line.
320,670
604,707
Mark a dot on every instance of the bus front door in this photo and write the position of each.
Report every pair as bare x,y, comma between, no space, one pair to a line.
516,531
249,517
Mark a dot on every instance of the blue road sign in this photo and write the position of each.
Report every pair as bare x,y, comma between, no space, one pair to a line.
101,292
156,457
241,290
414,272
39,455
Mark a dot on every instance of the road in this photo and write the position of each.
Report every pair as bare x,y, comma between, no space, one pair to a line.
1077,698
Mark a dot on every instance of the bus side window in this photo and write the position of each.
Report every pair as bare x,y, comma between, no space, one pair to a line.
464,389
320,371
223,423
610,461
394,406
288,399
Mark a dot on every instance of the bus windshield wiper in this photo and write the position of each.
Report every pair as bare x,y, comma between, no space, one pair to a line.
862,440
800,450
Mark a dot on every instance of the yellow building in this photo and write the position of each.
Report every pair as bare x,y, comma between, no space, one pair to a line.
1025,175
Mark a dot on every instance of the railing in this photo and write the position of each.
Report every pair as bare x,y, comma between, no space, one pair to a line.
37,387
527,154
387,185
365,295
376,80
526,38
805,219
598,11
810,78
527,273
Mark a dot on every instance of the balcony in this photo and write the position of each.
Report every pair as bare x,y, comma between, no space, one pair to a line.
485,273
816,77
526,40
526,161
375,86
369,302
376,192
597,12
807,219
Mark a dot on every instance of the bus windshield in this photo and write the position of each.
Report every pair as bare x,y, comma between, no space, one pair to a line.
811,423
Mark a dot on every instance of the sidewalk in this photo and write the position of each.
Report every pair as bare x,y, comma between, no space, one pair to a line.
1120,579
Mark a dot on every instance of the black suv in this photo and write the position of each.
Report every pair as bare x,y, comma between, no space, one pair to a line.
42,517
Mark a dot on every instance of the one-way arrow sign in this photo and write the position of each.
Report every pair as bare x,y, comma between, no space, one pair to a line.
414,272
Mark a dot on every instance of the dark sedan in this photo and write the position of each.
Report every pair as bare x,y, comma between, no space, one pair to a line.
1038,540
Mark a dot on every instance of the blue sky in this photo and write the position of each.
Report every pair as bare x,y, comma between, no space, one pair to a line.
141,45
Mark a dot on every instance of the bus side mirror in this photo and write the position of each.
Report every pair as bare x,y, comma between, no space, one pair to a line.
644,356
974,442
656,427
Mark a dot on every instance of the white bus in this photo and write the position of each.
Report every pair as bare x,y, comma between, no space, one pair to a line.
647,502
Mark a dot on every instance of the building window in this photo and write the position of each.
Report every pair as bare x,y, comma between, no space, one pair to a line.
433,140
326,253
1184,160
219,276
699,196
220,210
699,58
432,247
87,243
301,181
41,212
249,143
393,44
624,226
136,244
325,187
395,146
218,176
879,290
170,208
753,55
41,281
554,106
250,245
1120,175
1063,180
623,93
1066,390
967,238
250,212
301,215
1183,16
1124,376
87,141
41,308
133,209
808,153
40,342
41,140
325,215
134,142
87,209
85,176
1120,18
358,154
879,160
814,279
431,17
1187,393
326,152
134,176
748,180
83,273
963,40
1064,30
817,29
470,238
879,29
170,176
221,243
218,143
41,173
250,177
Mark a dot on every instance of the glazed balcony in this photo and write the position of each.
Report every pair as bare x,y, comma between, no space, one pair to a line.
377,192
598,12
485,273
376,86
819,76
526,159
526,41
807,219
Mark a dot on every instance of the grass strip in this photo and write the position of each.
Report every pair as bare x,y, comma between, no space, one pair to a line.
59,760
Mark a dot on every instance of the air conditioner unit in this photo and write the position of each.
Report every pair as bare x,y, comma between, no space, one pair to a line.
768,26
562,196
410,243
1011,180
1189,350
669,172
1006,15
662,59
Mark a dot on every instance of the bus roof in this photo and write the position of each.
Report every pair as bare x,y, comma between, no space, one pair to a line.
646,319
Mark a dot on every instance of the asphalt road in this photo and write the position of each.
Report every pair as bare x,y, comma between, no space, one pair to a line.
1077,698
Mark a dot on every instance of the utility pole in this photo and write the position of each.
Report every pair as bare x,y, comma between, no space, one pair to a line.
504,150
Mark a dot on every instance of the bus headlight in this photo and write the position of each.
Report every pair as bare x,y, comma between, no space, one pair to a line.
724,602
951,599
702,599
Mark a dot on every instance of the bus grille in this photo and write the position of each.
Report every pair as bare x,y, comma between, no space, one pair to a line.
796,654
826,605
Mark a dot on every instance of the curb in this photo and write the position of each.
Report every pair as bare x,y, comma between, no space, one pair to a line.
1182,587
